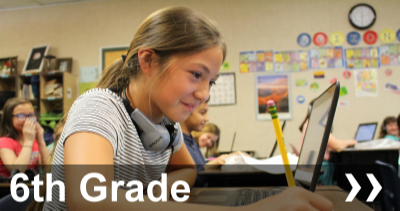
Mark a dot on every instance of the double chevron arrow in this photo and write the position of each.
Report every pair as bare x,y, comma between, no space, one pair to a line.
356,188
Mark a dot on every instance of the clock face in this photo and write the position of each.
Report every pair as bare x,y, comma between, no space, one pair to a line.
362,16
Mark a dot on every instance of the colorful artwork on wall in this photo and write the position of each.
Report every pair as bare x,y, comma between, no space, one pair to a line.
361,58
322,58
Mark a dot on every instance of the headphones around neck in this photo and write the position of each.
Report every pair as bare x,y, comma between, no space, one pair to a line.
154,137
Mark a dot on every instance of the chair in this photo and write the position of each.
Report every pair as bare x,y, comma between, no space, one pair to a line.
8,203
390,186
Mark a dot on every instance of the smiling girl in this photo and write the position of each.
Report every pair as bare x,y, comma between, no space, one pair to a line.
172,61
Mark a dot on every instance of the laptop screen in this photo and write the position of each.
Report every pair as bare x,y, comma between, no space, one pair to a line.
366,132
313,144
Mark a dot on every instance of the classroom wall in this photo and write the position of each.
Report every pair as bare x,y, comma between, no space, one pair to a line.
79,30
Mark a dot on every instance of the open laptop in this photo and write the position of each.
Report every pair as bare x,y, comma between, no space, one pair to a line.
310,158
366,131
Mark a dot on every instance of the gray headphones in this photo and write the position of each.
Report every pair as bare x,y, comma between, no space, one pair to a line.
154,137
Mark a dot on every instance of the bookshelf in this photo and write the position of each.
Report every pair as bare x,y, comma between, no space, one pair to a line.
43,103
8,87
8,79
26,79
55,102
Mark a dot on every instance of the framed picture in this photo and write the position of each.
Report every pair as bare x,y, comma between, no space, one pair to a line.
34,62
109,54
64,64
224,90
274,87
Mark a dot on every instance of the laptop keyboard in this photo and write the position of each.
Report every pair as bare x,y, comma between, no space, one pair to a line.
250,196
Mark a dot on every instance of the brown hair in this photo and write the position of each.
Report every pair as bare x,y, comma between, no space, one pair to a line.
387,120
209,128
6,126
170,31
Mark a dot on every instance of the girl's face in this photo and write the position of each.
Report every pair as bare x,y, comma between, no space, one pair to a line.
207,139
198,119
22,110
392,129
186,84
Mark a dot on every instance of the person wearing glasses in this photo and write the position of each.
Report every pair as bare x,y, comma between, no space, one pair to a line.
22,144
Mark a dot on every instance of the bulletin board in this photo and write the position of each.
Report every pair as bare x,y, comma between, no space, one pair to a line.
109,54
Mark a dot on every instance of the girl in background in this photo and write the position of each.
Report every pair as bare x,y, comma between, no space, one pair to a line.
22,144
389,129
208,137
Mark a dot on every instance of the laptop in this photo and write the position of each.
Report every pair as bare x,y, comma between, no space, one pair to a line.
310,158
366,131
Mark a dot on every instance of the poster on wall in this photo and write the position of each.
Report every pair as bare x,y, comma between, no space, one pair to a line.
256,61
389,54
291,61
274,87
224,91
359,58
322,58
366,83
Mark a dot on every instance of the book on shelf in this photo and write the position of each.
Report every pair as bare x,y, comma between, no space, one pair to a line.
27,92
50,88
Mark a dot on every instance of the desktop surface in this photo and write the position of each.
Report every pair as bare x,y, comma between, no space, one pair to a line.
335,194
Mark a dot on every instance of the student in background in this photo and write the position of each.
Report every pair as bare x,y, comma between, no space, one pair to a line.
334,144
22,144
209,138
198,134
173,59
196,122
389,129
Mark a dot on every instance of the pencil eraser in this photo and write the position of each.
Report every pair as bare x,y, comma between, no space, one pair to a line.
270,103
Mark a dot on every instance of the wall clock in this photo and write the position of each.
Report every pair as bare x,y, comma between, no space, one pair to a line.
362,16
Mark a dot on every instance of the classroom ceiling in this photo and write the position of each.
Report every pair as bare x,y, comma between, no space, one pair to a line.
21,4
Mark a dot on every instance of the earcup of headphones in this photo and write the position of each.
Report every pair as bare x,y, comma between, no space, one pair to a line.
154,137
384,128
174,130
157,139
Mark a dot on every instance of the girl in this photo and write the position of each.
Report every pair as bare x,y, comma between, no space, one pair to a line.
208,137
389,129
171,63
22,144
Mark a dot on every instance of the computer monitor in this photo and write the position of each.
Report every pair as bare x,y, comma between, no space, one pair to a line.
316,137
366,131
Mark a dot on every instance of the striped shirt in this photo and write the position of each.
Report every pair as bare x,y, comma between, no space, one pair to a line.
102,112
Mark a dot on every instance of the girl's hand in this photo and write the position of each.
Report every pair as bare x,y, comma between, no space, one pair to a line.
221,159
29,131
294,198
39,132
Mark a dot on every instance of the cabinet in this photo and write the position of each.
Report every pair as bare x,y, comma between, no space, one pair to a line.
62,101
56,105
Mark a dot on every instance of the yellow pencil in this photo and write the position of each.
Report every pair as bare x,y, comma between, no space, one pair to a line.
281,143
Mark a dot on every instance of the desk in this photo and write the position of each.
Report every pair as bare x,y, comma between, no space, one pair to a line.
359,162
242,176
333,193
